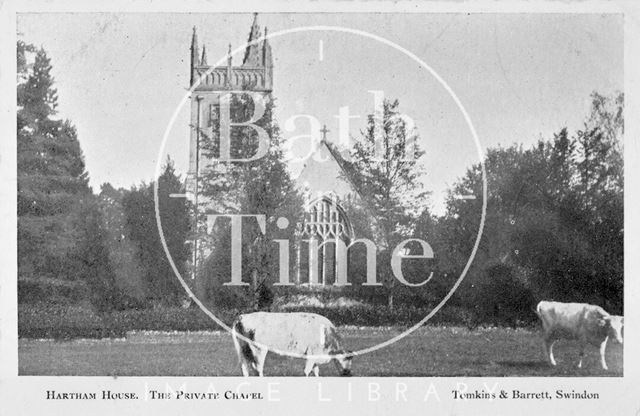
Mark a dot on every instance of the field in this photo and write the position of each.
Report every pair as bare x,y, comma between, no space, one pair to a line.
430,351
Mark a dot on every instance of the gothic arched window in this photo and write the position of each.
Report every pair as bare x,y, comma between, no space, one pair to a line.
325,219
325,222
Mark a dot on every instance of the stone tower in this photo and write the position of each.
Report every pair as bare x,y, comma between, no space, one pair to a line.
207,82
254,74
325,185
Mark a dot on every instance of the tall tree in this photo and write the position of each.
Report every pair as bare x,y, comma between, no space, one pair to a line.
385,169
123,251
51,173
140,212
92,258
260,187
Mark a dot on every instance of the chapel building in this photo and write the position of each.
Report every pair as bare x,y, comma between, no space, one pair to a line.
323,181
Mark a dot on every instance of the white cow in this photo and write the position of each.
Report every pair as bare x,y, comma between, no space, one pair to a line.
304,334
587,323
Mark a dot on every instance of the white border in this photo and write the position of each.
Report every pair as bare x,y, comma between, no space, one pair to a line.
24,395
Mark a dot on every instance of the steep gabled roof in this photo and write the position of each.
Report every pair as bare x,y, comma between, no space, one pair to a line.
325,171
325,174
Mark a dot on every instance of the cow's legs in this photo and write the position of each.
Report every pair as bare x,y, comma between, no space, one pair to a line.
245,364
582,345
245,367
316,370
548,348
551,359
308,367
603,348
261,357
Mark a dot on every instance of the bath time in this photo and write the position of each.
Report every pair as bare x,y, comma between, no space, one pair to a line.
399,253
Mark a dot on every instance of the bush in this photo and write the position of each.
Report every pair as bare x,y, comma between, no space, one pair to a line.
83,321
36,290
168,319
376,315
64,322
61,322
503,299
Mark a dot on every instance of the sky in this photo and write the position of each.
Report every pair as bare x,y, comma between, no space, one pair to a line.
520,77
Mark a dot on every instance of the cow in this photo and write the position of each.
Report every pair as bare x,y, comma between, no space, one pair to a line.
306,335
587,323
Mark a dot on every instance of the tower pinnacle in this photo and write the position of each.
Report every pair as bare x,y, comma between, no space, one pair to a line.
252,53
255,71
203,60
194,55
229,67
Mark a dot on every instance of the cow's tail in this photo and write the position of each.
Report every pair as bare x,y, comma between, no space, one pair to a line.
541,316
538,310
243,349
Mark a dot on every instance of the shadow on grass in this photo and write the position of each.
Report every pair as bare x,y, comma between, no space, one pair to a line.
531,365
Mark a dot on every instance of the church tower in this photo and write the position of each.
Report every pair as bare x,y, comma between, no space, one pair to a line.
207,82
325,185
255,73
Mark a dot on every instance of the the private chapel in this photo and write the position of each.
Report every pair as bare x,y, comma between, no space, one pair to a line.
322,179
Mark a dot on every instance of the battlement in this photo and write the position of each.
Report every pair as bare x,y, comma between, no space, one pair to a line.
235,78
255,73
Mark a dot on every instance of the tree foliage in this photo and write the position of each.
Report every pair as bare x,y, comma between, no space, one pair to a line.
92,257
554,213
52,180
140,212
123,252
260,187
385,169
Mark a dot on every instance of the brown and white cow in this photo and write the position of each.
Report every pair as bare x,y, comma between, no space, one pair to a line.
587,323
306,335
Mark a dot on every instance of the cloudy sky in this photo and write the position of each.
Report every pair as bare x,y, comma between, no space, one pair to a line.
120,77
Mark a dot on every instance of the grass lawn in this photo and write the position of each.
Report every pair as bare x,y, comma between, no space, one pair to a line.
430,351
